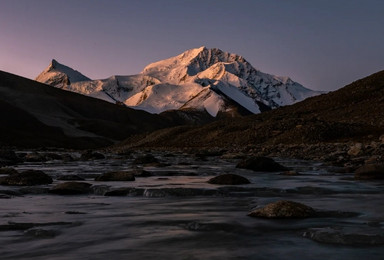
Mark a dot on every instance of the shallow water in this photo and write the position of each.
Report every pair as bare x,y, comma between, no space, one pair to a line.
177,215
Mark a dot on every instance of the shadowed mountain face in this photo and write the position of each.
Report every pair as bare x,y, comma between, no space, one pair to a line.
34,115
353,113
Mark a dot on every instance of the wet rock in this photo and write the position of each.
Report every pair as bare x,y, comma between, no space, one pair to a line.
71,177
7,171
229,179
178,192
75,213
141,173
284,209
370,172
41,157
100,189
5,196
14,226
41,233
146,159
69,188
26,178
116,176
8,157
261,164
118,192
351,237
90,155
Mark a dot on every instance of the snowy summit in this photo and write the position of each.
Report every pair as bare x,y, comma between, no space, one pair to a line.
198,79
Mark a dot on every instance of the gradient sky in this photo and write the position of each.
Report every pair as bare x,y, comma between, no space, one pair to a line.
322,44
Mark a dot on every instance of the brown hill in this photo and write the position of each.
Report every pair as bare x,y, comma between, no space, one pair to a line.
35,115
352,113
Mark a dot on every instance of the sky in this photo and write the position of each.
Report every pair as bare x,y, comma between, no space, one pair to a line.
323,44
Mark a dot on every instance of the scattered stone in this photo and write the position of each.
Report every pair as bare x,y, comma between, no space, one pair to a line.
284,209
116,176
261,164
350,237
70,177
71,187
355,149
370,172
229,179
89,155
146,159
26,178
381,139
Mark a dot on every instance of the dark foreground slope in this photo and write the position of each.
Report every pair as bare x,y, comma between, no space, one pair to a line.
353,113
34,115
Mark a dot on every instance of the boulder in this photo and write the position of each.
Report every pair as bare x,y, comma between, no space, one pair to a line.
8,157
370,172
284,209
89,155
346,236
261,164
71,187
116,176
229,179
70,177
7,171
146,159
26,178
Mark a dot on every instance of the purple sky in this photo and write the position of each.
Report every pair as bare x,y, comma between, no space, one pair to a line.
323,45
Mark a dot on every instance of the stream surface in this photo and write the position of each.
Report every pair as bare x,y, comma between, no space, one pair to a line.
176,214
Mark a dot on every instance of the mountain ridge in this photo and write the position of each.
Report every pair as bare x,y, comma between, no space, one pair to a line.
173,83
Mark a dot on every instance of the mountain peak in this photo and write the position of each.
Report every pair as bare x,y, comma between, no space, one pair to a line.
58,74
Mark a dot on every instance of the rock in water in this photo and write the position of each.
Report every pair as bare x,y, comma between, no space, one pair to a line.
341,236
116,176
71,187
70,177
370,172
146,159
229,179
26,178
89,155
284,209
261,164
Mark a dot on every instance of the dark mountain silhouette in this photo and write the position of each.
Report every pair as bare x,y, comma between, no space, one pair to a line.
33,114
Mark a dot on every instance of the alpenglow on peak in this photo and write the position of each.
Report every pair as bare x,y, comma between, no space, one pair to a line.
201,79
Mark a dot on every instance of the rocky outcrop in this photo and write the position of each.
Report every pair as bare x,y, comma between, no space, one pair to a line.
284,209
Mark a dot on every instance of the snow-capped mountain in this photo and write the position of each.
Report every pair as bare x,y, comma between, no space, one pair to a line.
198,79
59,75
